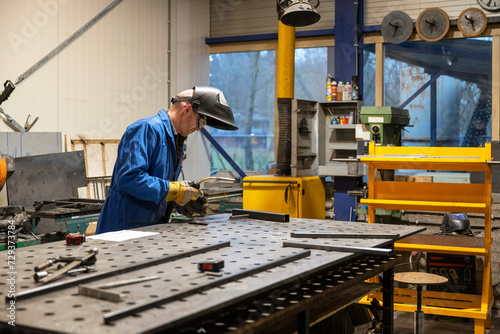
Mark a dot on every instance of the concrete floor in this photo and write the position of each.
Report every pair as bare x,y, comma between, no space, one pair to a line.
403,324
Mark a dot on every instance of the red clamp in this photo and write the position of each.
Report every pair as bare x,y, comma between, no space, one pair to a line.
216,265
75,239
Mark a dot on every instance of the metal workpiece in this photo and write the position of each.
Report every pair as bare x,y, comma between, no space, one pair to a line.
254,271
345,235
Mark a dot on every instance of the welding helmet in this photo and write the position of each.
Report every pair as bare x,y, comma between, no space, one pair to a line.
211,103
457,223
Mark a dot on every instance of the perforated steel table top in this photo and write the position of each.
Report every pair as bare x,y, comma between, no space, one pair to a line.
253,243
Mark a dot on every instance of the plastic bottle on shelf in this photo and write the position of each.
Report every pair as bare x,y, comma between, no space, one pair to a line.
328,87
334,90
347,92
340,91
355,88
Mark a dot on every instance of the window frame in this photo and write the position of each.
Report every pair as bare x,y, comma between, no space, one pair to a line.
272,45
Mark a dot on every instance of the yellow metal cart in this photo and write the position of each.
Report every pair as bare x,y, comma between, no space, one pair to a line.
439,197
300,197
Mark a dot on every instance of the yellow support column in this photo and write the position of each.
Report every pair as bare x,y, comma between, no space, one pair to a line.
286,61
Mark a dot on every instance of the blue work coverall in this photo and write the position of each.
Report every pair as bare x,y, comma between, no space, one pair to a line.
145,163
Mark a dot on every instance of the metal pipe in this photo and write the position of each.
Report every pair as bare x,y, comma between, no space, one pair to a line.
286,73
286,61
347,249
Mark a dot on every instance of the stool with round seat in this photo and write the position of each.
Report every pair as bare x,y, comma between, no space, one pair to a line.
419,279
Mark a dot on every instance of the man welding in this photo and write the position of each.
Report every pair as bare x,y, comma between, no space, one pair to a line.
144,187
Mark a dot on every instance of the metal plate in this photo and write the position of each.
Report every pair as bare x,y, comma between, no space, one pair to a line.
472,22
396,27
433,24
253,243
46,177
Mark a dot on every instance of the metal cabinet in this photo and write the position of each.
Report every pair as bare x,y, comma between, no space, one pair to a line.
320,144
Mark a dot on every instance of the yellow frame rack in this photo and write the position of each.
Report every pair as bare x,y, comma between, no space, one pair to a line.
439,197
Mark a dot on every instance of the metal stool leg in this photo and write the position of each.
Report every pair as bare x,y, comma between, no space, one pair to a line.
419,315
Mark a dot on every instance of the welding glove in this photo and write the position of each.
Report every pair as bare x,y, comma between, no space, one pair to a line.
183,191
198,206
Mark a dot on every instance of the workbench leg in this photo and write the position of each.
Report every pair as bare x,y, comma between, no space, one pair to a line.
479,327
303,322
388,297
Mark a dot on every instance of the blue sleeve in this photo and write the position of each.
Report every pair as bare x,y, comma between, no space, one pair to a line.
136,159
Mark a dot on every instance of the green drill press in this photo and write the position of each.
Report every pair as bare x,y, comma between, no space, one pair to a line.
385,124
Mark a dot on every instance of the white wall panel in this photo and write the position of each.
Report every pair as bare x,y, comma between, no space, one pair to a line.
112,75
252,17
193,69
376,10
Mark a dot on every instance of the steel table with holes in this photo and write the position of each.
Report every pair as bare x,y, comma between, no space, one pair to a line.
263,287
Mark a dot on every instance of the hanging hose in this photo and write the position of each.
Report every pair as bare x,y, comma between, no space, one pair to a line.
284,156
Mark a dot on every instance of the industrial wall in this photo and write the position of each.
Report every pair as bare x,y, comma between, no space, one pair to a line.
376,10
114,74
251,17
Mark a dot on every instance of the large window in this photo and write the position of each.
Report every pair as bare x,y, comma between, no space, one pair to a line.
453,107
247,80
310,73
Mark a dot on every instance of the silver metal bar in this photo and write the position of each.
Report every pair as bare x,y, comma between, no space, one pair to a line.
127,282
134,309
269,216
347,249
344,235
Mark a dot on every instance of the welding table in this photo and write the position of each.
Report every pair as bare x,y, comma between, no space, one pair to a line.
267,287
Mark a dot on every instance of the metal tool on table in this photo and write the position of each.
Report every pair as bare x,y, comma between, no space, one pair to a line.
100,292
59,259
74,264
73,272
115,271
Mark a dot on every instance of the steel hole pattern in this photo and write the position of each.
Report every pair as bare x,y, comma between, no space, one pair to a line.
253,243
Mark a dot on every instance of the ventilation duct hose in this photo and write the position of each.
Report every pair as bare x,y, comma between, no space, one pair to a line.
284,156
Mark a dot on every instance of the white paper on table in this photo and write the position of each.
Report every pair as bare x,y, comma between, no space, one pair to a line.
121,235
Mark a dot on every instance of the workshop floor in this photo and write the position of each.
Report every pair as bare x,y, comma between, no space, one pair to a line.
403,324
